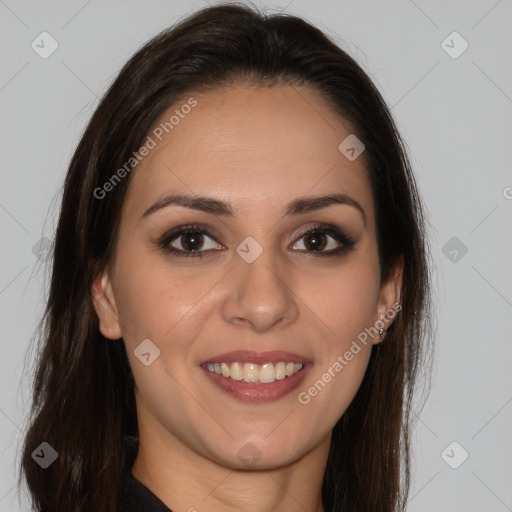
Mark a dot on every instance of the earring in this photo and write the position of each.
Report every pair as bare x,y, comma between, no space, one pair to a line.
382,333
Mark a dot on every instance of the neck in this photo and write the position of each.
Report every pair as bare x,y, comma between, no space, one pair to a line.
186,480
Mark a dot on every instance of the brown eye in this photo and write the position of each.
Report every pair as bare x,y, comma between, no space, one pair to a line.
324,241
189,241
315,241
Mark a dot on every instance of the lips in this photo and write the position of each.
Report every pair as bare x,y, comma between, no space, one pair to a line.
257,391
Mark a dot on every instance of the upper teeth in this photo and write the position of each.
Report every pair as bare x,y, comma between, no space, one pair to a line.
251,372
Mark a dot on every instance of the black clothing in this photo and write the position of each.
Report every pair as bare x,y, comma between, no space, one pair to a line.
136,497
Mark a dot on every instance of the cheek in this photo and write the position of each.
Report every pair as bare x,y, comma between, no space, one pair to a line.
153,300
326,397
167,307
345,308
346,302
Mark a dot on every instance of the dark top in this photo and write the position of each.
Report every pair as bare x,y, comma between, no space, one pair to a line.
136,497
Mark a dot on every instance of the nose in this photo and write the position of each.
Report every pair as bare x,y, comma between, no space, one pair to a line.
260,294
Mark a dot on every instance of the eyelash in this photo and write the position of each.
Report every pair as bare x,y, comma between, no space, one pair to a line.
347,241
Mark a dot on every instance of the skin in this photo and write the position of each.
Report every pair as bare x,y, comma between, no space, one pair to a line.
257,149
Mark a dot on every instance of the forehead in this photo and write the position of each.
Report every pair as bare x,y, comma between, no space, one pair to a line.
255,147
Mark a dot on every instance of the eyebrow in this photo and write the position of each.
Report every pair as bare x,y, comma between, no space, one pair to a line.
218,207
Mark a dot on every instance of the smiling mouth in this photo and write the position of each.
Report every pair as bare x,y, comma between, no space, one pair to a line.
255,373
256,376
255,383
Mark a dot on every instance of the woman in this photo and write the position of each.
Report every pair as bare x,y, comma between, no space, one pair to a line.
239,302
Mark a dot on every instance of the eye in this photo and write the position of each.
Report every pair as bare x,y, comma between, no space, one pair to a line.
189,241
192,241
326,240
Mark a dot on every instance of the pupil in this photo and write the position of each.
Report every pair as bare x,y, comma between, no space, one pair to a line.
191,241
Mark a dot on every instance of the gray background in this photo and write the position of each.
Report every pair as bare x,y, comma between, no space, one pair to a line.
456,117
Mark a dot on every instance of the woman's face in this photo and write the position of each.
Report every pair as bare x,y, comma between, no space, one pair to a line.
259,285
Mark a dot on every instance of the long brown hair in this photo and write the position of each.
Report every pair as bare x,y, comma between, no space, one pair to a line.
83,389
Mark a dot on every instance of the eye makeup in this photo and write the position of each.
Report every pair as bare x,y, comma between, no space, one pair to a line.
318,232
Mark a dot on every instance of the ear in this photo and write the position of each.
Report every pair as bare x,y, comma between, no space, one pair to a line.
390,296
105,305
